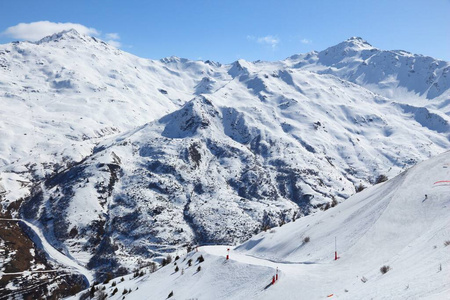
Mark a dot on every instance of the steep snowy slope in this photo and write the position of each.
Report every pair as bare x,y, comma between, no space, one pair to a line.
61,95
263,150
401,224
397,74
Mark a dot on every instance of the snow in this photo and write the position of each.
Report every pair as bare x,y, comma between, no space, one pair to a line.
392,224
53,253
160,154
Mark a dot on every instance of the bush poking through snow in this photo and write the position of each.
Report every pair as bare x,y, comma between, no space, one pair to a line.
101,295
114,292
190,262
381,178
108,278
200,259
384,269
166,260
177,269
199,268
306,239
170,294
360,188
152,267
124,291
447,243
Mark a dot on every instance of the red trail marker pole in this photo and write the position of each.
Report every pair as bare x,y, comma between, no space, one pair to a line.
273,280
335,249
228,253
276,275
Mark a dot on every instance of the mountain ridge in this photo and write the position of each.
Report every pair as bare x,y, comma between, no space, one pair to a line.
121,158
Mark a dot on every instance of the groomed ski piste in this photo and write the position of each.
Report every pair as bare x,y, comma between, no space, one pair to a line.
403,224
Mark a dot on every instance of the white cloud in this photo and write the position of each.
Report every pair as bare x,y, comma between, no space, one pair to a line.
269,40
37,30
113,36
114,43
306,41
265,40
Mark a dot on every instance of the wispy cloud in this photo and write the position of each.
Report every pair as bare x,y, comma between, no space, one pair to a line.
113,36
306,41
37,30
114,43
113,39
270,40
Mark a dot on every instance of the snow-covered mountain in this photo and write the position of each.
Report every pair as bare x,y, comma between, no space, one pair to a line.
120,159
392,242
400,75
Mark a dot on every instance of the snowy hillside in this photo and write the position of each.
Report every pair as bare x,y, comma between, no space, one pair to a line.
401,224
120,160
228,164
399,75
61,95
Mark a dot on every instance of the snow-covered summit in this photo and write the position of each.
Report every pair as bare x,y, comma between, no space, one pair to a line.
70,34
396,74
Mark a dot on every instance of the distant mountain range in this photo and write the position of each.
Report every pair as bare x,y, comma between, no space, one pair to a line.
120,159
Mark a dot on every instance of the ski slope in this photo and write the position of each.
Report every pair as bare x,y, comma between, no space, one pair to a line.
402,223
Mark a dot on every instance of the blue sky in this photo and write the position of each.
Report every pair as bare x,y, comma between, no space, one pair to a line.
228,30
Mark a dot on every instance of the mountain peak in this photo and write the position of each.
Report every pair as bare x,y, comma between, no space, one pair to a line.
70,34
355,43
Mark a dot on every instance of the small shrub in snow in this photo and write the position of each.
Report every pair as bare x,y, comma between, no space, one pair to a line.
306,239
114,292
113,283
381,178
384,269
334,202
364,279
122,279
152,267
170,294
176,269
167,260
177,258
92,291
108,278
360,188
200,259
199,268
124,291
101,295
446,243
190,262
